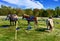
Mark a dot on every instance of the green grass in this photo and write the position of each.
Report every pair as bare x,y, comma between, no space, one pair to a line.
8,34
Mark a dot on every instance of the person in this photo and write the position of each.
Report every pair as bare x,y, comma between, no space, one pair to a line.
49,23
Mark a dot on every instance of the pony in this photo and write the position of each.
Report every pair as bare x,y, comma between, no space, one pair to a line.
30,19
13,18
49,23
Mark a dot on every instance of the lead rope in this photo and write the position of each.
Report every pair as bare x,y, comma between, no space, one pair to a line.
16,32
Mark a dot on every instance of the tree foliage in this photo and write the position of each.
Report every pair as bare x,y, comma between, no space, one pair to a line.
5,10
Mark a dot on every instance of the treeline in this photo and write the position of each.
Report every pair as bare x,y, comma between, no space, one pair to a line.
4,10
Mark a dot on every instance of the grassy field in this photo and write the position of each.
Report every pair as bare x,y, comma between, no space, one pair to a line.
7,33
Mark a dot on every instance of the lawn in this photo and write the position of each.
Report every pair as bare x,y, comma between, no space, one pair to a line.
7,33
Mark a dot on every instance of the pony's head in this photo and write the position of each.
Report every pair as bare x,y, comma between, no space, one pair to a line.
50,17
25,16
8,16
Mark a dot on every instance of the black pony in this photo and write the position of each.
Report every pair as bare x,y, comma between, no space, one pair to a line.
13,18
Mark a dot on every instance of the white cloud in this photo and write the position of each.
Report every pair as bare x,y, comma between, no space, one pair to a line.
12,1
27,3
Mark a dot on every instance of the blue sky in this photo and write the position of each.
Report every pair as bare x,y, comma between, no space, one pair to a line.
45,4
50,3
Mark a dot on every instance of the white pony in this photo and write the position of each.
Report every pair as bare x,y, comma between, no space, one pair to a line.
49,23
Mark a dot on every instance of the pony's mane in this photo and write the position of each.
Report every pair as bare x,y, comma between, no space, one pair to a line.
26,15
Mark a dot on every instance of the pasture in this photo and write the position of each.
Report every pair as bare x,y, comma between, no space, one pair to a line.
7,33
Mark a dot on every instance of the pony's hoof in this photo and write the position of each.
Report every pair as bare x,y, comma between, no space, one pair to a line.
28,28
17,28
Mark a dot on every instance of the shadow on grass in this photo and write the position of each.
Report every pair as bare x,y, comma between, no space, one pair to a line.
41,29
4,26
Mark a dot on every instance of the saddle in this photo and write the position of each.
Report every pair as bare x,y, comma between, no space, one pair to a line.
31,18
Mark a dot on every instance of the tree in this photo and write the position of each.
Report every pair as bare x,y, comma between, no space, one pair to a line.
50,12
28,11
41,12
36,12
19,12
57,11
44,13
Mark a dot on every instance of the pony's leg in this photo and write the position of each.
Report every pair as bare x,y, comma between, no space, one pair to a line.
47,27
15,22
35,24
51,28
28,22
29,27
10,22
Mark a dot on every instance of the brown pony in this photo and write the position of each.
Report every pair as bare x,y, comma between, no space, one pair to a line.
30,19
